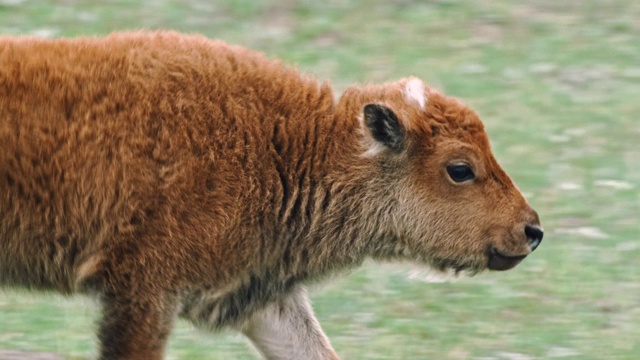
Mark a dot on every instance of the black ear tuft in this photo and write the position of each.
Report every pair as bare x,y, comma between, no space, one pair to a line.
384,126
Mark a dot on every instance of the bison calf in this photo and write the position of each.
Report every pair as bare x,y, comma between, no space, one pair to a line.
171,175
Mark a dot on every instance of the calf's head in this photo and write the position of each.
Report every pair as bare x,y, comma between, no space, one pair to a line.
454,208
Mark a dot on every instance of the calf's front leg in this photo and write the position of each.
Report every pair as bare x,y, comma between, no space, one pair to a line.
135,327
287,329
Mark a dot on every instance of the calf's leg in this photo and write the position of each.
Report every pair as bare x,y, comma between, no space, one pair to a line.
135,326
287,329
139,304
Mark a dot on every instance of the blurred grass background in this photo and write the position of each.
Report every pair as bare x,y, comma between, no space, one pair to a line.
557,84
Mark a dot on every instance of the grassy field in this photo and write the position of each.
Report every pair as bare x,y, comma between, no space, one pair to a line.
557,84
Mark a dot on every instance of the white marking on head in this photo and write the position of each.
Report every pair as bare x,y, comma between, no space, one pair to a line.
414,92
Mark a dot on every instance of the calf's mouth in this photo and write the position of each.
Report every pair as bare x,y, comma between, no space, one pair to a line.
499,261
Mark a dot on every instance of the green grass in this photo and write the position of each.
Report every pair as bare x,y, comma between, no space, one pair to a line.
557,84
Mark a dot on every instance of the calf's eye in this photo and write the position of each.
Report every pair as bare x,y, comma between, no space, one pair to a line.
460,172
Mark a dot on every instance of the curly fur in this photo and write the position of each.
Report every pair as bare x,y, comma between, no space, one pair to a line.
173,174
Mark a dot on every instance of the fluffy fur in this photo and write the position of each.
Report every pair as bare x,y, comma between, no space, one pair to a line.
171,174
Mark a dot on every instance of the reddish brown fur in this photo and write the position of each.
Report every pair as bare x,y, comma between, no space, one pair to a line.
169,173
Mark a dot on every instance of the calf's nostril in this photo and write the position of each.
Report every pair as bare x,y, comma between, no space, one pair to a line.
534,234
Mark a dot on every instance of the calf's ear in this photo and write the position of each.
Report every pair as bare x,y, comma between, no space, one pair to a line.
384,126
